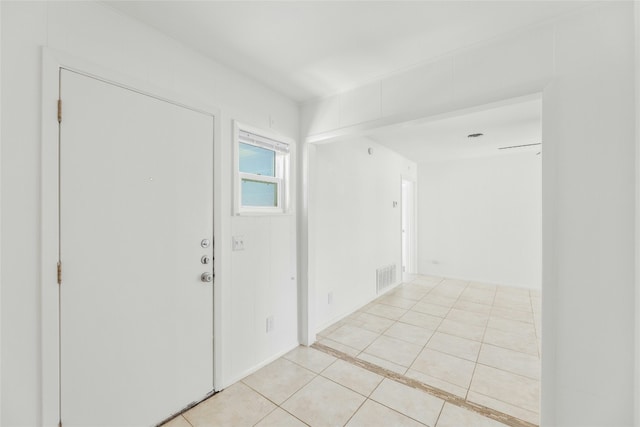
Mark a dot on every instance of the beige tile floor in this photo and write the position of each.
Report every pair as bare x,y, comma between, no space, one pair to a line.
476,341
307,387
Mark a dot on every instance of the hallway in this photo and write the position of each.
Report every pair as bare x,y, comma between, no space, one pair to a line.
434,352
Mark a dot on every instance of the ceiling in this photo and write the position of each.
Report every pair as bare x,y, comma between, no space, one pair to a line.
446,139
308,49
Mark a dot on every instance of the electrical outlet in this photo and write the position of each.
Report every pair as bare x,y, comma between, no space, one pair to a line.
269,324
238,243
330,298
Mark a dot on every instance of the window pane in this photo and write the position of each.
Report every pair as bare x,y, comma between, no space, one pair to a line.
259,193
257,160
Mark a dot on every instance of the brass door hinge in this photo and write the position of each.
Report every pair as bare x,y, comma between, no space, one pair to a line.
59,273
60,423
59,110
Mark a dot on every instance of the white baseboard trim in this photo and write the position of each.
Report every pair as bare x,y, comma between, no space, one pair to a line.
257,367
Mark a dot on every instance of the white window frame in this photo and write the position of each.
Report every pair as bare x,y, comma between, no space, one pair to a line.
282,170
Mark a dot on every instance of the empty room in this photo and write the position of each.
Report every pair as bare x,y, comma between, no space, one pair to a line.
466,321
371,213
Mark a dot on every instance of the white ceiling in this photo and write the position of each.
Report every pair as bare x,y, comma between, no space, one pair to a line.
446,139
306,49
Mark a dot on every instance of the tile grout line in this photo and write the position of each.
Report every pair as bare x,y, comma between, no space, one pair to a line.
481,341
497,368
368,397
347,387
185,418
356,411
304,367
280,407
293,415
393,409
269,413
503,347
365,401
439,414
439,324
535,327
283,402
508,372
290,396
396,321
481,344
460,297
506,403
410,382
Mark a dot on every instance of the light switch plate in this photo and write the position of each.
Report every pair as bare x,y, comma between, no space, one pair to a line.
238,243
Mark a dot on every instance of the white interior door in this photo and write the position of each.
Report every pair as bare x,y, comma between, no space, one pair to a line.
408,231
136,200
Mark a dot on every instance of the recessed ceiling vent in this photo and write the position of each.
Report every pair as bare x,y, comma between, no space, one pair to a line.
475,135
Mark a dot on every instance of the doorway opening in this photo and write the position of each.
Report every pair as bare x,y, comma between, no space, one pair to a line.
468,315
408,206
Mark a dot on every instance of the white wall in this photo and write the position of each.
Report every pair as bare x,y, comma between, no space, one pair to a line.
356,228
481,219
249,290
585,67
637,388
0,221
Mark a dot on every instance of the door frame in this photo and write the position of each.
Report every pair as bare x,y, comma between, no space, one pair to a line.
52,62
413,226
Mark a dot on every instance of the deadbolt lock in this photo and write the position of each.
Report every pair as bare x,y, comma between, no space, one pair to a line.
206,277
205,243
206,259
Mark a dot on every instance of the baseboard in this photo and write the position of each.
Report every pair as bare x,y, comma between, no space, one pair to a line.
257,367
488,282
356,307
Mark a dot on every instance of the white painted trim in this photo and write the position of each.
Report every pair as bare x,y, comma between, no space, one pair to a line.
306,251
414,224
637,216
284,184
357,307
236,165
257,367
52,62
413,118
268,133
49,250
0,221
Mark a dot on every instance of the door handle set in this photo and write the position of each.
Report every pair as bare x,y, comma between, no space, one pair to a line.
206,277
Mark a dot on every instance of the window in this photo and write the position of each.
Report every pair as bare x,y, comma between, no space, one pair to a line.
261,170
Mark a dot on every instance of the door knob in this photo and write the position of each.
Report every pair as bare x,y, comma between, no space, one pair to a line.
206,277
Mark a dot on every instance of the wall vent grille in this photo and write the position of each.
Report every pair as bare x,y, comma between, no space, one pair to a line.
385,277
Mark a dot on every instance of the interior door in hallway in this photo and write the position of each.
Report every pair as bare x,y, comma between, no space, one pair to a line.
136,203
408,229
